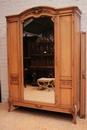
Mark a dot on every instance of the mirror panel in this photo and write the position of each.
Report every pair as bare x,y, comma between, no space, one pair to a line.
38,59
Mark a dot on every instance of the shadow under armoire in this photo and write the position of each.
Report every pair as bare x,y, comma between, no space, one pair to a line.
46,60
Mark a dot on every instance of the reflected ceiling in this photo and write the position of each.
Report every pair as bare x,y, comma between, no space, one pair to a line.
38,25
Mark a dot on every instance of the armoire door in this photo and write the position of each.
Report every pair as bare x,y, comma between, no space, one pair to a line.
83,75
13,58
64,64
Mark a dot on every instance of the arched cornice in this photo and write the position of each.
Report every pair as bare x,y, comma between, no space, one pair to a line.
45,10
38,11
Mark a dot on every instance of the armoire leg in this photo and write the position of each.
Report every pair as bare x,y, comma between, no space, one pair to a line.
74,114
9,107
9,104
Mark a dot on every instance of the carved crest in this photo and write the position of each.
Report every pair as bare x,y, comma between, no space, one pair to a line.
37,10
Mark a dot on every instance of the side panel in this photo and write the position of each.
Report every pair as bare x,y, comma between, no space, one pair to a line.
13,57
64,61
77,61
83,76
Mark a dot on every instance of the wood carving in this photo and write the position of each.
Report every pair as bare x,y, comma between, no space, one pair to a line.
39,10
66,83
14,79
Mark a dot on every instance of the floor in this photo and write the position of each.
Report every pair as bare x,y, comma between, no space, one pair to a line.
33,93
31,119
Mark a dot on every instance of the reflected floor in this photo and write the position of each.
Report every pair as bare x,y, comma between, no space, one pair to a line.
32,93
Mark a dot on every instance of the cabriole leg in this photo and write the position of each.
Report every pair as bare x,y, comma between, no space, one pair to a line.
9,104
74,114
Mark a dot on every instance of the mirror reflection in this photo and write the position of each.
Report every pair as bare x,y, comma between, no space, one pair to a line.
38,59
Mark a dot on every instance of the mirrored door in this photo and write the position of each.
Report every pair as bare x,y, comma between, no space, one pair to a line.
38,59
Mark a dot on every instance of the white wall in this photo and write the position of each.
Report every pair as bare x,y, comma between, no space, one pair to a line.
10,7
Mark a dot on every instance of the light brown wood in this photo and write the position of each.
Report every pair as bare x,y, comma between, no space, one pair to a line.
13,57
65,71
83,75
67,60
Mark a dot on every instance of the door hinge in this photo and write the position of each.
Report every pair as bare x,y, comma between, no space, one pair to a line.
83,75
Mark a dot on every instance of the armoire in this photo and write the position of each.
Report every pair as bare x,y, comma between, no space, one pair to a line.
45,42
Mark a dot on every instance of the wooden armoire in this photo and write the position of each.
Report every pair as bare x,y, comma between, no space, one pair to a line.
47,42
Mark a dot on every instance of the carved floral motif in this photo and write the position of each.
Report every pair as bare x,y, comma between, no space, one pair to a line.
36,10
14,79
39,10
66,83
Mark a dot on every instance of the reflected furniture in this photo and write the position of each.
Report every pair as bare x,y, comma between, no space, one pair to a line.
45,83
38,58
